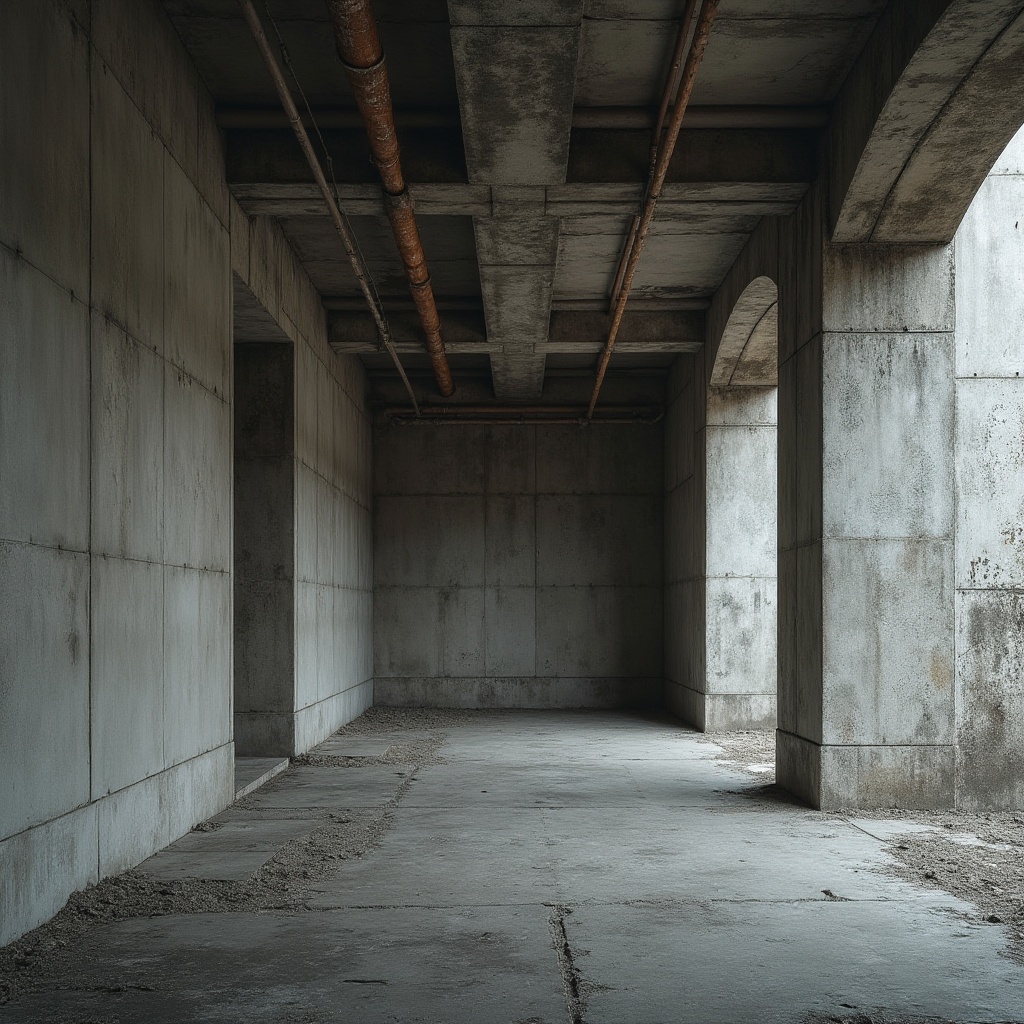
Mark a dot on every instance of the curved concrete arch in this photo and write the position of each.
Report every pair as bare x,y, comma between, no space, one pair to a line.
748,352
932,102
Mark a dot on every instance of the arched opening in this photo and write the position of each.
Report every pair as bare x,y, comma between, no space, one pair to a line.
741,509
920,121
722,524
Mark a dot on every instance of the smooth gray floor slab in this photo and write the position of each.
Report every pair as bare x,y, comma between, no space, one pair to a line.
368,786
253,772
561,740
226,867
244,836
729,962
554,751
614,784
541,845
451,858
680,855
416,966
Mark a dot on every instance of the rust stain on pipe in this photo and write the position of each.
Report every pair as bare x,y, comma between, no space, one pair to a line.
659,169
671,83
306,145
362,56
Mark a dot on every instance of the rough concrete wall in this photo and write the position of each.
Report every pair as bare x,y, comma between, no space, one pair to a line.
518,566
115,449
989,562
333,545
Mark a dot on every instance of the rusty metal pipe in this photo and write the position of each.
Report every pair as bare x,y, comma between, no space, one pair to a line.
351,249
655,184
634,223
362,56
659,125
673,73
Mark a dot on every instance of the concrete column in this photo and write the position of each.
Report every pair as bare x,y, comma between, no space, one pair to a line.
866,412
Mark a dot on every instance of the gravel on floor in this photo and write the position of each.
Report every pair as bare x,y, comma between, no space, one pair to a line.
986,870
282,883
751,750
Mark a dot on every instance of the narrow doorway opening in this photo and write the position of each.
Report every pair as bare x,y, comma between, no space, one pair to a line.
264,499
741,569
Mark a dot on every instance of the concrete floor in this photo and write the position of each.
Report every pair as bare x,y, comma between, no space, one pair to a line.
545,867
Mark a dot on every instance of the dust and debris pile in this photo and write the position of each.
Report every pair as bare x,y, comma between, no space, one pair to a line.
282,883
752,750
986,870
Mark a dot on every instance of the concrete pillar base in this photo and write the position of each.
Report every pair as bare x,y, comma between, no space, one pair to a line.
831,777
720,712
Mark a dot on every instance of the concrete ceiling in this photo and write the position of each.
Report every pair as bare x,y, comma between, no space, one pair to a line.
524,127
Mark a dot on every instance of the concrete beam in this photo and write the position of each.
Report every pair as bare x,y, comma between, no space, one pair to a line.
515,81
353,332
680,202
232,118
932,102
707,154
515,73
271,154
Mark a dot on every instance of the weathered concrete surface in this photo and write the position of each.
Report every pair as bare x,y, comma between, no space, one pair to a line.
866,414
748,350
253,772
303,581
517,565
900,408
515,96
922,118
588,866
989,560
115,430
116,257
264,546
720,539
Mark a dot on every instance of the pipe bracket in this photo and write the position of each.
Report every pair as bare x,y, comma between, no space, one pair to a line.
373,69
398,200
